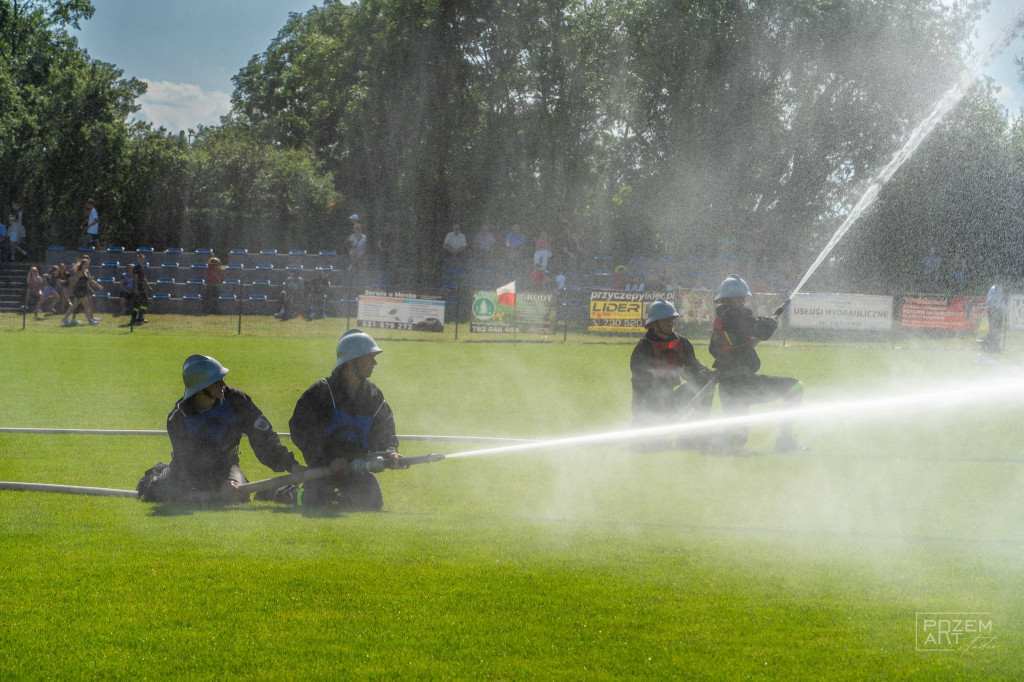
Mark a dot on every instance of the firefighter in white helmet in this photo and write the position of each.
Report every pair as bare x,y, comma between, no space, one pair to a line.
666,376
341,418
205,428
735,332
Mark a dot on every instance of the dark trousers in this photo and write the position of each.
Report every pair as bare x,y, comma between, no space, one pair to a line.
162,484
668,411
738,393
356,491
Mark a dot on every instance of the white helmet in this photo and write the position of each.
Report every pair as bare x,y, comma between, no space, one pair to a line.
355,343
732,287
660,309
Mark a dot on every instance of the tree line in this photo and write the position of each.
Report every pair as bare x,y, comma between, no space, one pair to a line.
647,126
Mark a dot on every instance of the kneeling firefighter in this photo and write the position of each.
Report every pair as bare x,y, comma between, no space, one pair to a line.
340,419
205,428
666,374
735,332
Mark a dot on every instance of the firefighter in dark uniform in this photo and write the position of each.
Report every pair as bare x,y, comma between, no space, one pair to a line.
140,292
205,428
666,375
735,332
342,418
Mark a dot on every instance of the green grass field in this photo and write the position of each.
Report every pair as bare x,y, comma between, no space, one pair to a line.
584,562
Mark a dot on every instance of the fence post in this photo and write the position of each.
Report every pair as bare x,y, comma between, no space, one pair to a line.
239,315
24,308
458,308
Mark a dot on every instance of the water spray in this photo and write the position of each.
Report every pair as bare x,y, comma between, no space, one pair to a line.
923,129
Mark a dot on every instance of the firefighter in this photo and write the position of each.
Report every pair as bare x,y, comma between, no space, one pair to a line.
205,428
734,335
666,375
341,418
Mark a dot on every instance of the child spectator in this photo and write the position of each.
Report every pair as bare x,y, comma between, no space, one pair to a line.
50,293
291,296
33,290
316,294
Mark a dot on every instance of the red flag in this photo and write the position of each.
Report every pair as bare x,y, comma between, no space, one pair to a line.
507,294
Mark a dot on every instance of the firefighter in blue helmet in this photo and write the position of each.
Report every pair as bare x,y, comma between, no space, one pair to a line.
205,428
341,418
666,375
734,335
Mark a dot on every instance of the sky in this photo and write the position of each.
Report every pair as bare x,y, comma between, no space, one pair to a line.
188,50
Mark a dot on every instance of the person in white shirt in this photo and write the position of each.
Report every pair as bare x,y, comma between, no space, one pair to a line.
92,232
455,242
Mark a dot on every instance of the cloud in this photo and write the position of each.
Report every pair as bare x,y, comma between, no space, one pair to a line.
1007,97
180,106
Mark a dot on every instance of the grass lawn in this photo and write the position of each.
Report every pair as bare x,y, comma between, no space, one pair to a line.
570,562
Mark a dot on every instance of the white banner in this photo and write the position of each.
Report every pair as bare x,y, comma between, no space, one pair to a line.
1015,312
388,310
841,311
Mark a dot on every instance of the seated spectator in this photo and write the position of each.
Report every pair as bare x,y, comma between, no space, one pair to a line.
542,250
49,293
292,296
455,244
635,284
560,281
316,294
515,244
572,250
211,288
127,291
620,277
33,291
537,277
82,287
356,242
483,244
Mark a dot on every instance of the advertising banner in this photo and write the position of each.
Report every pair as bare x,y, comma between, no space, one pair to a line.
622,311
841,311
395,310
1015,312
952,313
525,312
696,307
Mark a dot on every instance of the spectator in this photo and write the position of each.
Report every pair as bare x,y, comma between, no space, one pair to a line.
142,290
542,250
50,293
92,231
356,245
455,244
931,264
635,284
619,277
515,244
573,249
483,244
995,309
384,247
537,277
4,242
16,237
127,292
292,296
316,294
211,288
560,281
82,288
64,286
33,290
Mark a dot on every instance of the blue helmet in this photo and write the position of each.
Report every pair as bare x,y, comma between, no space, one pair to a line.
732,287
355,343
199,372
660,309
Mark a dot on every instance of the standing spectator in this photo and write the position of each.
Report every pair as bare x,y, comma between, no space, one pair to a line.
211,289
356,245
140,301
995,309
619,277
542,250
483,244
292,296
560,280
384,247
573,249
316,295
33,290
92,231
537,277
82,287
515,243
64,286
455,244
50,294
127,293
16,237
4,241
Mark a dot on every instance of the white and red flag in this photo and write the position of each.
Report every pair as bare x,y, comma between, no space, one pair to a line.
507,294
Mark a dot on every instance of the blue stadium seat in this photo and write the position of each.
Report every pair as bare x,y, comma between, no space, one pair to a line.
144,249
228,297
165,280
86,249
205,252
169,266
192,297
235,266
329,253
268,252
162,296
265,266
105,280
232,282
174,249
297,252
111,264
56,247
196,281
198,266
294,266
261,282
453,270
115,249
259,297
238,252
